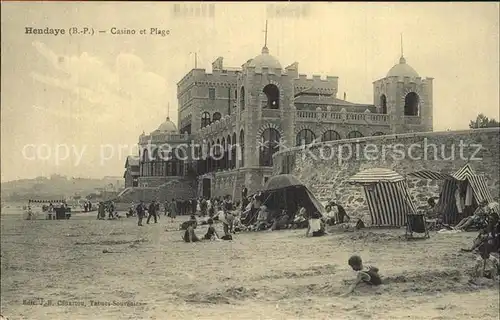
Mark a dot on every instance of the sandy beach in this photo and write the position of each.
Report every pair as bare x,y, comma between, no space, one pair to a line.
87,269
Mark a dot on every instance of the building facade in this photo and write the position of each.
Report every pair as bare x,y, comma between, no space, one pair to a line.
233,120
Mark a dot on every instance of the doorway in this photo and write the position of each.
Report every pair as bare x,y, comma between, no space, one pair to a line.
206,188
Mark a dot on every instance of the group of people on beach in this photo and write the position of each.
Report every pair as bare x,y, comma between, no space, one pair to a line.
108,207
484,219
252,214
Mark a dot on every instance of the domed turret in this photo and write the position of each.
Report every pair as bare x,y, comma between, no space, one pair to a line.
265,60
167,126
402,69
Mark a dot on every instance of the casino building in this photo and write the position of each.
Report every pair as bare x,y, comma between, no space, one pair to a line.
261,107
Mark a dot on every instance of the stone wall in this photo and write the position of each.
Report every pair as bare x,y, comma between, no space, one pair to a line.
327,178
176,188
232,181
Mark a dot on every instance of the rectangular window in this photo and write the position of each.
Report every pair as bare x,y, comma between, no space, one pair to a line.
211,93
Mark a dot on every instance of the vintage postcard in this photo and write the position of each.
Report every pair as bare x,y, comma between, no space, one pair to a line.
249,160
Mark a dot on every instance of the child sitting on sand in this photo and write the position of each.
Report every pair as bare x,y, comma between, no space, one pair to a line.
316,227
189,235
367,274
211,233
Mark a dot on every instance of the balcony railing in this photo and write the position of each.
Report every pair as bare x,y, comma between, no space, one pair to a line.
342,117
165,137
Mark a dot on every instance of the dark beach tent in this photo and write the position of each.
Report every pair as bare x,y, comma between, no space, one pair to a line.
463,178
286,192
387,195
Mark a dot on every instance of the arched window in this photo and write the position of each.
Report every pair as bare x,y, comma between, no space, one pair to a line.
216,116
378,134
208,157
210,160
205,119
145,155
200,168
304,137
155,163
273,96
223,154
242,148
145,163
228,155
383,104
234,151
412,102
354,135
178,157
330,135
217,154
270,144
242,98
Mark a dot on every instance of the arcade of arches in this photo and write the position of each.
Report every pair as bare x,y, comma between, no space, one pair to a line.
221,154
162,163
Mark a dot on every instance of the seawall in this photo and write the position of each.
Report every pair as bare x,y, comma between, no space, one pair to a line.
325,167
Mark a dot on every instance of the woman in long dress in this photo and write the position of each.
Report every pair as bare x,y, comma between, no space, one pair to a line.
173,210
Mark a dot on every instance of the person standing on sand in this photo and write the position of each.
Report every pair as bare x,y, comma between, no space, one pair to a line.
165,208
140,212
152,212
101,211
173,210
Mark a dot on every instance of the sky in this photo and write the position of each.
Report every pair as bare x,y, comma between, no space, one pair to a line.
76,104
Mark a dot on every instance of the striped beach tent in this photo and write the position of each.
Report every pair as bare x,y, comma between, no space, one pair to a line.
387,195
465,175
431,175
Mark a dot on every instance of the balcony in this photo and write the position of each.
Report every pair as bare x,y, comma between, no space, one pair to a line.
342,117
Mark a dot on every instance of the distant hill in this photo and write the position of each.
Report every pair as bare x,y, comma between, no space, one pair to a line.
57,187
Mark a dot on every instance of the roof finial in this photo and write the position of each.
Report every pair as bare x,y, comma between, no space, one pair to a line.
402,45
265,39
265,49
402,59
168,110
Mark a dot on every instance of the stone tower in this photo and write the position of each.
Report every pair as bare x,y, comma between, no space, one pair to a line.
406,98
266,109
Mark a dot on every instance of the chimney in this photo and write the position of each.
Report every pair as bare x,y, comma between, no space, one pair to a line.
345,96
